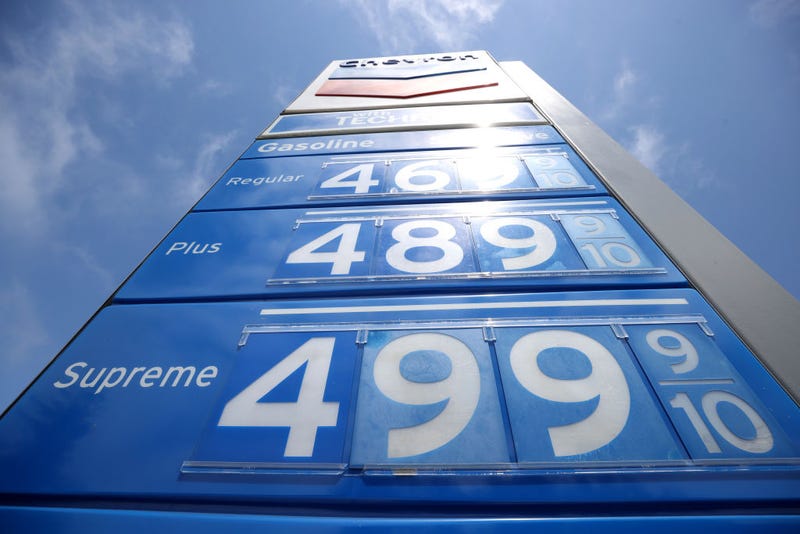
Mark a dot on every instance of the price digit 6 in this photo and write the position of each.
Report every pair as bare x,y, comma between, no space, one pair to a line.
606,381
461,390
434,179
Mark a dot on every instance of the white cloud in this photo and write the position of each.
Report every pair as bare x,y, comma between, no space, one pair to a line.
770,13
624,92
211,161
624,79
402,26
57,179
89,264
40,131
648,146
23,337
677,165
284,92
215,87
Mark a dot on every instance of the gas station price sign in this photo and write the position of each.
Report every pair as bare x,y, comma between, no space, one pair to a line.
430,393
493,114
395,177
467,245
466,386
468,173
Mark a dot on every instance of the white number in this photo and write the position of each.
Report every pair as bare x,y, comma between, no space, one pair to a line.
451,252
438,179
341,260
682,401
492,173
360,185
590,225
542,239
557,179
763,441
302,417
606,381
611,253
684,348
461,390
543,162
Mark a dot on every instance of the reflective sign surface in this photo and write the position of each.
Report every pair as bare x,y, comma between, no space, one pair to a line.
500,244
359,83
501,114
524,172
335,399
383,142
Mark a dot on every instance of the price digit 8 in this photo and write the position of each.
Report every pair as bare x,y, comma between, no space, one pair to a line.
461,390
397,257
606,381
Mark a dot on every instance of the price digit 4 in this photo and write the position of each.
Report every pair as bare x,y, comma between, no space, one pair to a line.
341,259
361,184
304,416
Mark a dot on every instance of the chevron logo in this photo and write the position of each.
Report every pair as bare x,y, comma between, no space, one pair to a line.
406,78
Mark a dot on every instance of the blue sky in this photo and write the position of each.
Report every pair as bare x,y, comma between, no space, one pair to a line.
116,117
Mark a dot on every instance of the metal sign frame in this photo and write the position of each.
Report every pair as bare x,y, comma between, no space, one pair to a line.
760,311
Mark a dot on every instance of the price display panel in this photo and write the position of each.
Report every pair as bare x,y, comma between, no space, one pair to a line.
558,244
416,399
394,119
525,172
483,138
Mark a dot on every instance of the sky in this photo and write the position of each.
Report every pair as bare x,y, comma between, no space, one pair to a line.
116,117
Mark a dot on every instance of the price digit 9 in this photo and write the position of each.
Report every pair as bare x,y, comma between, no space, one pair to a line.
489,173
541,239
606,382
461,390
685,349
590,225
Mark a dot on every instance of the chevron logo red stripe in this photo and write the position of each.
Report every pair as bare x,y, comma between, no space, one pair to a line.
406,88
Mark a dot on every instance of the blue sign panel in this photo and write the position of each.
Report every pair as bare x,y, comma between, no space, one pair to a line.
255,253
501,114
579,387
83,520
295,412
706,399
428,397
336,400
529,172
419,140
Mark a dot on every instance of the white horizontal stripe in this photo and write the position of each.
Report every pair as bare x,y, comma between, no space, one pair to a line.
419,208
700,381
477,306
